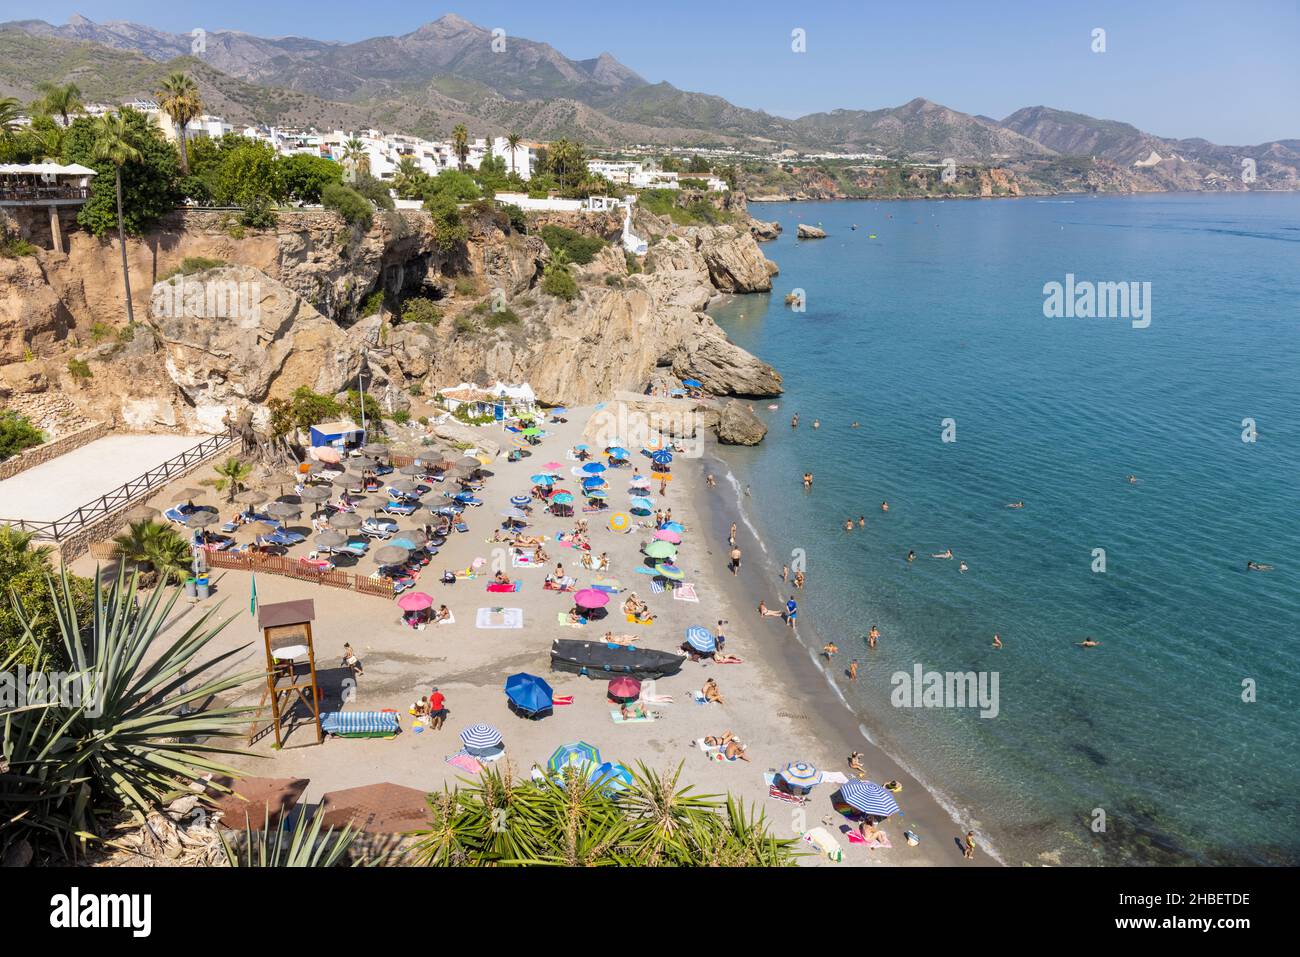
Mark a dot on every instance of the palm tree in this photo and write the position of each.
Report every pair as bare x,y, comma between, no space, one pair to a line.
117,141
304,847
566,161
232,475
354,154
460,144
179,98
513,140
10,112
407,178
60,101
155,547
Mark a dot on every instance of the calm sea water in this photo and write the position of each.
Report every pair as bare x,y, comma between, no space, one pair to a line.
940,316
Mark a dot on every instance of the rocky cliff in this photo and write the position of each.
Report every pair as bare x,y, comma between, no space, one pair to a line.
290,313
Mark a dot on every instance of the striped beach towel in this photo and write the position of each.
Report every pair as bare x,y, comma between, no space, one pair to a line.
656,588
360,724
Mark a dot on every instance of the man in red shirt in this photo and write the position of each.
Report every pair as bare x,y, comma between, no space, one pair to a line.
437,709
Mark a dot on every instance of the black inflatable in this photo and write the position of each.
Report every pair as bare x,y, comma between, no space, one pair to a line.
595,659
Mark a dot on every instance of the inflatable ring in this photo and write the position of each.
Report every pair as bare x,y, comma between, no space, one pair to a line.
620,522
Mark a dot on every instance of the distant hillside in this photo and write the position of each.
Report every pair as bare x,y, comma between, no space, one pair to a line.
449,71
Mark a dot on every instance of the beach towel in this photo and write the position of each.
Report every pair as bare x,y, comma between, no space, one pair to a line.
822,839
499,618
524,561
562,619
834,777
617,717
360,724
698,697
643,570
465,762
633,620
777,794
656,587
882,840
685,592
498,587
563,584
449,620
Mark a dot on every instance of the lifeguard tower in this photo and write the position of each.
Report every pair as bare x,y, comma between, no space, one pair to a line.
290,668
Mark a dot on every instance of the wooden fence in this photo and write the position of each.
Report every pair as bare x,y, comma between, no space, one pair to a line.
296,568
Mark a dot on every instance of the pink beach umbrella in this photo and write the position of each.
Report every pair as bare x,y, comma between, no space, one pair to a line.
415,601
666,535
591,598
624,689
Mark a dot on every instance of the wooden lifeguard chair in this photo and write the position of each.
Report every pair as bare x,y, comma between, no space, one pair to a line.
286,630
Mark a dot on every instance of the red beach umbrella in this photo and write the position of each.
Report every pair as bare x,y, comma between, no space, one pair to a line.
624,689
591,598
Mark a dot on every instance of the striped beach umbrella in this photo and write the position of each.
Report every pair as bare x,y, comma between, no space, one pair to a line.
578,753
481,739
701,639
869,798
519,501
800,774
639,481
518,514
661,457
671,572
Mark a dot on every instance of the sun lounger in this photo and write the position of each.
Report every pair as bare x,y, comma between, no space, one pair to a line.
360,724
776,794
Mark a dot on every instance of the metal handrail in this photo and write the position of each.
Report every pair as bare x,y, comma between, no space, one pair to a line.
125,494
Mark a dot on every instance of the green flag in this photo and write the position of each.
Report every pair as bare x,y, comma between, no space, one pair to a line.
252,596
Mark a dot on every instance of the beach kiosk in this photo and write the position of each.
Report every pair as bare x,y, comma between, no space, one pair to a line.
344,436
290,668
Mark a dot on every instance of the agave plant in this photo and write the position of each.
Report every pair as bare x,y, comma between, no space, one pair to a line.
130,736
302,847
572,821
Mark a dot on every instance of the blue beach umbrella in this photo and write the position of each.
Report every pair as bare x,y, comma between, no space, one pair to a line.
612,777
594,482
616,452
406,543
869,798
595,493
701,639
529,693
559,410
593,468
519,501
578,753
674,527
693,383
562,498
542,479
582,448
480,739
661,457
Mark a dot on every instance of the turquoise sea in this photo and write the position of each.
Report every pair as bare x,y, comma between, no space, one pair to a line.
1178,739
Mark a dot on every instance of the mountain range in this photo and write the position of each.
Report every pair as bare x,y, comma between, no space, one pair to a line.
448,72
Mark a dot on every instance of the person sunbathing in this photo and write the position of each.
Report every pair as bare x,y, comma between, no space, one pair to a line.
735,750
501,578
720,659
855,762
575,617
442,614
631,711
421,708
765,612
711,693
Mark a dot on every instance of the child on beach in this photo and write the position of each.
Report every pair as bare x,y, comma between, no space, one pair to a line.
830,650
855,763
969,852
853,670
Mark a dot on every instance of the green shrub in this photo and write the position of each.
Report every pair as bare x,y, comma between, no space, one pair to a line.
16,434
502,317
518,220
449,229
465,324
466,286
13,248
190,265
259,213
348,203
579,248
559,282
79,369
371,304
375,190
420,309
401,417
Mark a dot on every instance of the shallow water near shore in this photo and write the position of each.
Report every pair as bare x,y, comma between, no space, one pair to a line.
1141,750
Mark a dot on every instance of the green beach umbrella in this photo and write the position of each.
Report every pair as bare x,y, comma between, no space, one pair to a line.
661,550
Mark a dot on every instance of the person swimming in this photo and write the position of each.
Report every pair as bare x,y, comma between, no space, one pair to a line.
943,554
1132,480
1257,567
911,556
962,566
1018,504
848,525
997,641
884,506
1088,642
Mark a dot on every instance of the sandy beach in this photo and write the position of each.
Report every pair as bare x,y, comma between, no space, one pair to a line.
777,702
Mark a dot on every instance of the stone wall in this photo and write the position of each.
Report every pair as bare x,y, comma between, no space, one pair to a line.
52,450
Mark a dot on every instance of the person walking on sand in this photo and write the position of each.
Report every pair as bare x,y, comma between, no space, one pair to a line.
785,573
351,661
735,559
731,537
969,852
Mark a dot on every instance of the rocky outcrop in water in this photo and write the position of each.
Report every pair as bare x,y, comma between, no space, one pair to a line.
810,232
738,425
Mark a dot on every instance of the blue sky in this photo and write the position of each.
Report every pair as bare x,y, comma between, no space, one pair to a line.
1227,72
